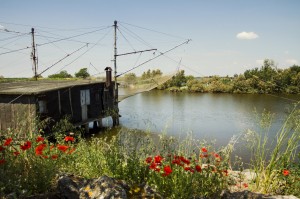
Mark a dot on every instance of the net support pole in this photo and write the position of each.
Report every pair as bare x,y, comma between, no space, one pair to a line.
115,115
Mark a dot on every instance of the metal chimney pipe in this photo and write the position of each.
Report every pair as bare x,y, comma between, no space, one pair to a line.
108,76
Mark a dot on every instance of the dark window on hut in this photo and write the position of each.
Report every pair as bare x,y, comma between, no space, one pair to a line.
42,106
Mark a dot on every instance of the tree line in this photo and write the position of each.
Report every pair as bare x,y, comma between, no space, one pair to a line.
266,79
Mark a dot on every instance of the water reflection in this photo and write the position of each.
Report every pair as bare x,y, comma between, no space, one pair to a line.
207,116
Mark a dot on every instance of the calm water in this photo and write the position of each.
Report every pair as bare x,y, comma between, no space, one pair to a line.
207,116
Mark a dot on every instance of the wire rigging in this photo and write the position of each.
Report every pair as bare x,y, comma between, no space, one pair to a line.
12,51
73,36
125,39
85,51
186,42
154,31
61,60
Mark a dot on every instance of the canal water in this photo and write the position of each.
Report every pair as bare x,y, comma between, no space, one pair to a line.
206,116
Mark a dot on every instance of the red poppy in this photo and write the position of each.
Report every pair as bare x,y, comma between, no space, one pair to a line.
203,155
16,153
69,138
285,172
149,160
186,161
2,161
26,145
52,147
62,148
203,149
189,169
7,141
245,185
54,157
167,170
2,148
177,161
40,139
158,159
217,156
71,150
226,172
39,149
198,168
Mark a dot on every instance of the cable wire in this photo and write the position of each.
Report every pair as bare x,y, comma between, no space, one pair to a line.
73,36
61,60
186,42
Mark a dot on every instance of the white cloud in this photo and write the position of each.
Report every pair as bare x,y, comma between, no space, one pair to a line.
291,61
247,35
2,27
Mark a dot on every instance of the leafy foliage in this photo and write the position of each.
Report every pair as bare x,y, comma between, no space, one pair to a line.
82,73
62,74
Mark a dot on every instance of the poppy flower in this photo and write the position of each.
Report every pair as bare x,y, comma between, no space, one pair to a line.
167,170
203,155
226,172
189,169
39,149
26,145
62,148
158,159
186,161
245,185
16,153
285,172
177,161
69,138
71,150
149,160
198,168
2,148
2,161
203,149
54,157
7,141
40,139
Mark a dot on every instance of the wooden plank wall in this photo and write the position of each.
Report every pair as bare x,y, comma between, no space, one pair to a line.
19,117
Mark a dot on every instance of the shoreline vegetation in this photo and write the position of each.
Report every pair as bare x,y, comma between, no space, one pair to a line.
173,168
268,79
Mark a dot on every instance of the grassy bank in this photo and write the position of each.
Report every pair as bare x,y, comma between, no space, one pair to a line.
175,168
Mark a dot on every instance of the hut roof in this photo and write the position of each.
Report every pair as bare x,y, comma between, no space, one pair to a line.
41,86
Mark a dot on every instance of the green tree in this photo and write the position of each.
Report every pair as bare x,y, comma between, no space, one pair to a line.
82,73
130,78
62,74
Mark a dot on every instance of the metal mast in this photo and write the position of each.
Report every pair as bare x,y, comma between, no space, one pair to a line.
34,58
116,119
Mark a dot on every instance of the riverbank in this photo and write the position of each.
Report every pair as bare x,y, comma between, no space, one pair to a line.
175,168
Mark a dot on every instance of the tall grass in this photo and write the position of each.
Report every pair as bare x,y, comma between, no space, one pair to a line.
174,168
270,158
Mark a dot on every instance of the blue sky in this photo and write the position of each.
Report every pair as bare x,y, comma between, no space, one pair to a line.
228,36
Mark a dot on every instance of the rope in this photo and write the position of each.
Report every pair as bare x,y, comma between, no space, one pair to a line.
73,36
186,42
61,60
85,51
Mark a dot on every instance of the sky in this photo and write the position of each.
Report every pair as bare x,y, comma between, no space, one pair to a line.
227,36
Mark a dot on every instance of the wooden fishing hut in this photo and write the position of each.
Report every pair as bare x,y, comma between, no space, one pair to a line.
84,101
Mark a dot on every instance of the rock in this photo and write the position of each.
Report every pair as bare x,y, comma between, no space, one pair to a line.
104,188
67,187
251,195
71,187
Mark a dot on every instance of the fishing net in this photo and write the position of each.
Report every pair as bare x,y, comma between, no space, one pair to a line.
130,88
